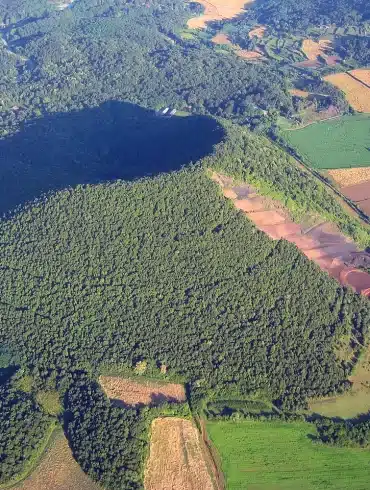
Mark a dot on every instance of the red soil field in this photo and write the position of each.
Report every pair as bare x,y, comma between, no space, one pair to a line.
323,243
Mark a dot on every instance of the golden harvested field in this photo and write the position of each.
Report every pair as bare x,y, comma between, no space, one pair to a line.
58,470
362,74
313,49
299,93
357,94
177,457
258,31
350,176
217,10
131,392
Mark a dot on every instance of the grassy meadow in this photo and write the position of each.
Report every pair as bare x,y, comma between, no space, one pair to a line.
339,143
282,456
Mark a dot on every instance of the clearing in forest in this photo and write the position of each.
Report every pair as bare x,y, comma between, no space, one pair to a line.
299,93
257,31
353,403
130,392
313,49
177,458
217,10
282,456
58,470
356,91
224,40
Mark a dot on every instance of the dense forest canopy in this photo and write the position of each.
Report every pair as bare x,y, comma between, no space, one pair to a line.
162,269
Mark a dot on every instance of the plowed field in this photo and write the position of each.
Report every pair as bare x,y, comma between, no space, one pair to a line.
177,457
130,392
58,471
217,10
357,94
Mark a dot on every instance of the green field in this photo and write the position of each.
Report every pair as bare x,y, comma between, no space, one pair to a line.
281,456
339,143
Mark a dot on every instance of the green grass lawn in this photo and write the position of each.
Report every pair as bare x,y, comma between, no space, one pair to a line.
280,456
340,143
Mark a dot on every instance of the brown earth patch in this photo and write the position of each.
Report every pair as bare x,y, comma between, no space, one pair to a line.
176,459
221,38
217,10
129,392
257,31
313,49
323,243
357,94
357,192
58,470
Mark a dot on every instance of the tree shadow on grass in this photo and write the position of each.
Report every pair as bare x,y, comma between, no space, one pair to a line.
114,141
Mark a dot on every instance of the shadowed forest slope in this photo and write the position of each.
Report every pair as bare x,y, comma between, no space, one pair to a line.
113,141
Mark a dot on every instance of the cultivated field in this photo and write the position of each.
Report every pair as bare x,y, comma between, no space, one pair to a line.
357,93
143,392
281,456
58,470
217,10
177,457
340,143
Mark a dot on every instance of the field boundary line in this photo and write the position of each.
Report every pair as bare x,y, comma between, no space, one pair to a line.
358,79
211,455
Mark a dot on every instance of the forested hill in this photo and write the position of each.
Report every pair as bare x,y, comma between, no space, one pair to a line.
166,270
127,51
290,15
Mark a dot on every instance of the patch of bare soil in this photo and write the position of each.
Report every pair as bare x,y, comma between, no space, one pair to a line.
249,55
222,39
176,459
322,243
58,470
125,391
